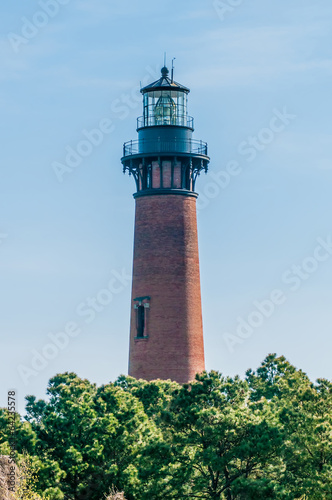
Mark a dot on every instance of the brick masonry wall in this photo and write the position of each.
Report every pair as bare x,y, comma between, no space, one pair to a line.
166,268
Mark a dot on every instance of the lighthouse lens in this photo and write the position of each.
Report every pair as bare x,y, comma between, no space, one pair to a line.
165,111
164,107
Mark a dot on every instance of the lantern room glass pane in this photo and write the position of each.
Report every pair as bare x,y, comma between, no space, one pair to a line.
165,107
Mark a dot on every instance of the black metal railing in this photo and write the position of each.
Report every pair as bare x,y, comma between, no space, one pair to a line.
178,120
189,146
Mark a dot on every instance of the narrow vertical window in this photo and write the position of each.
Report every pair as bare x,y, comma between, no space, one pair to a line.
140,321
142,306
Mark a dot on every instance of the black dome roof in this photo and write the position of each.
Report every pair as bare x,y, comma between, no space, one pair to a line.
165,82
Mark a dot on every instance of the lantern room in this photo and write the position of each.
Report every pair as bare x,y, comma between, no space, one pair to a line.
165,103
165,158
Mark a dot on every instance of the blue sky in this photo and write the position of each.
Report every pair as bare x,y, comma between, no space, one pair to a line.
260,78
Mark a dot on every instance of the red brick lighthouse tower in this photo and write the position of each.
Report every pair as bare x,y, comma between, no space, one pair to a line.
166,334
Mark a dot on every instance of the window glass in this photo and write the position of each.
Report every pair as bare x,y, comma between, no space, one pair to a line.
165,110
140,321
165,107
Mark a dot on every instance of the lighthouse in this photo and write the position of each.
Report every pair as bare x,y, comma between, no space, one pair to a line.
166,331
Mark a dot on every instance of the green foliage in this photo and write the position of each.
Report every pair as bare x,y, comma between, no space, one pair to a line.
220,438
217,442
155,396
25,437
304,413
94,435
